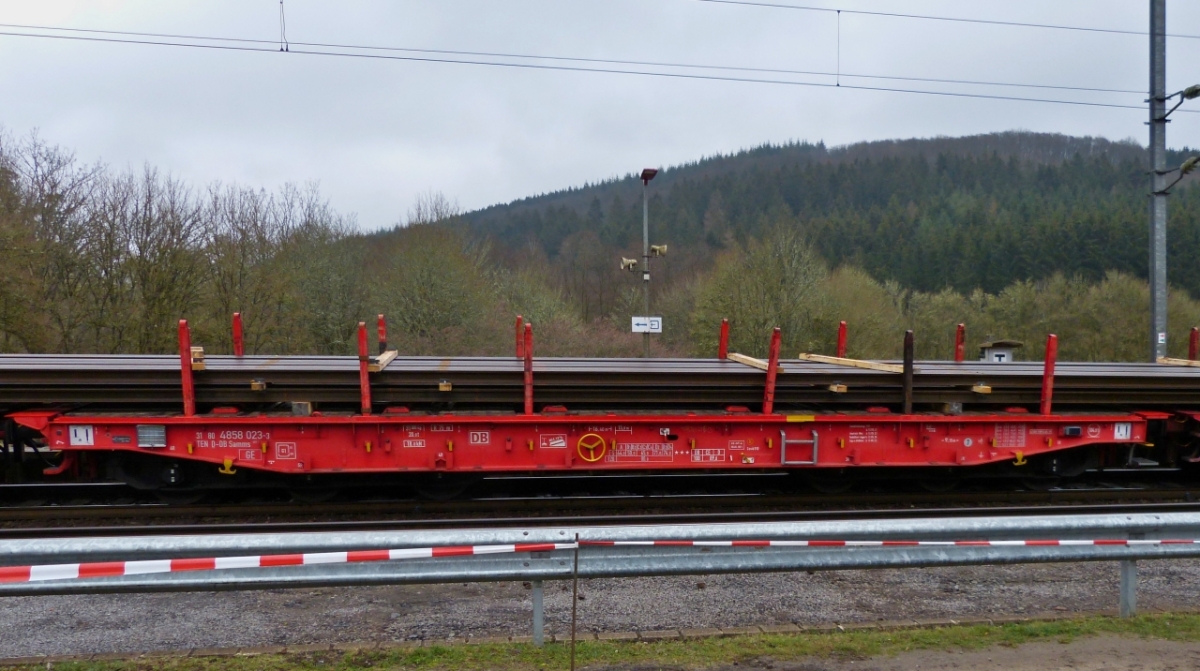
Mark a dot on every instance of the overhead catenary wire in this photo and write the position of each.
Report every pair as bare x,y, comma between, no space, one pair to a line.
566,68
954,19
578,59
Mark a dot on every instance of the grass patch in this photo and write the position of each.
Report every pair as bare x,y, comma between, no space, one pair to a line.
683,654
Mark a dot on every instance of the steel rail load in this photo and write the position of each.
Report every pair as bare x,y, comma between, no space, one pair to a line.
600,384
313,420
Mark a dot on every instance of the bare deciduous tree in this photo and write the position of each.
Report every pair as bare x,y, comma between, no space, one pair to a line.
431,207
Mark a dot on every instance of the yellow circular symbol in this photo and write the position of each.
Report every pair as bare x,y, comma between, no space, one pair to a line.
595,446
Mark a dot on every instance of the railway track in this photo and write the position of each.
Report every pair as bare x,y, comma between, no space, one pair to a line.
243,527
612,508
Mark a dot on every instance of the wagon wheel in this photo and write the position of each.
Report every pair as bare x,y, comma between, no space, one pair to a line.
314,494
829,482
444,487
938,485
1040,484
180,497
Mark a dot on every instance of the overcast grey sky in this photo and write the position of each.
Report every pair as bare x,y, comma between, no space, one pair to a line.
374,133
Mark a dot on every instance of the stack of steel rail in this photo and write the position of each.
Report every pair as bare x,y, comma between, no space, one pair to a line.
480,383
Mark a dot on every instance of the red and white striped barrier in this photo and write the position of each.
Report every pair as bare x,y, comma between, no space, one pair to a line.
9,574
878,544
144,567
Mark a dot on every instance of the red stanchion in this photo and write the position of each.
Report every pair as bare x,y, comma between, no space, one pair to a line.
381,332
185,369
364,361
1194,344
1048,373
528,352
841,341
772,370
239,342
723,343
960,343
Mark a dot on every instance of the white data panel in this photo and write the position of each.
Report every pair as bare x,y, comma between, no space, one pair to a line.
82,435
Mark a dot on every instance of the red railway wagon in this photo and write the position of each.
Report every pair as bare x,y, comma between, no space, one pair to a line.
196,423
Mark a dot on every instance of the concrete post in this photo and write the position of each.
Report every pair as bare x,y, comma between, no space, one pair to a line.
1158,166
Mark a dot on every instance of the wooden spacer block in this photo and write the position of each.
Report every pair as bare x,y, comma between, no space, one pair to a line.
1168,361
382,362
751,361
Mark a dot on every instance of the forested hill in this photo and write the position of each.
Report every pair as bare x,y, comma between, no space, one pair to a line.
888,236
972,212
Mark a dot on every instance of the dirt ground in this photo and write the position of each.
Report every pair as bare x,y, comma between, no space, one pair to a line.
1091,654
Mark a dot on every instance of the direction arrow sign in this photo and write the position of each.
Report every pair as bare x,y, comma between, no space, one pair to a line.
647,324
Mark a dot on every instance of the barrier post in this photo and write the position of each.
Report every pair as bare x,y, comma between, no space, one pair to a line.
239,342
1128,587
960,343
528,351
574,600
539,616
364,360
772,371
185,369
841,341
723,343
908,372
1048,373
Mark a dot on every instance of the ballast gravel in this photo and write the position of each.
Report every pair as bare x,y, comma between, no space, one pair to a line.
73,625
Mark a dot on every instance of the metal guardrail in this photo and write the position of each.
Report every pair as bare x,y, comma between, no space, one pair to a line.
605,561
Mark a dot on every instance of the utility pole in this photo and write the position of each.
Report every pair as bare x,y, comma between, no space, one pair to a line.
1158,167
647,175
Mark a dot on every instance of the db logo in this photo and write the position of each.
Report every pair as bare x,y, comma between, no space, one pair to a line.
1093,430
481,437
